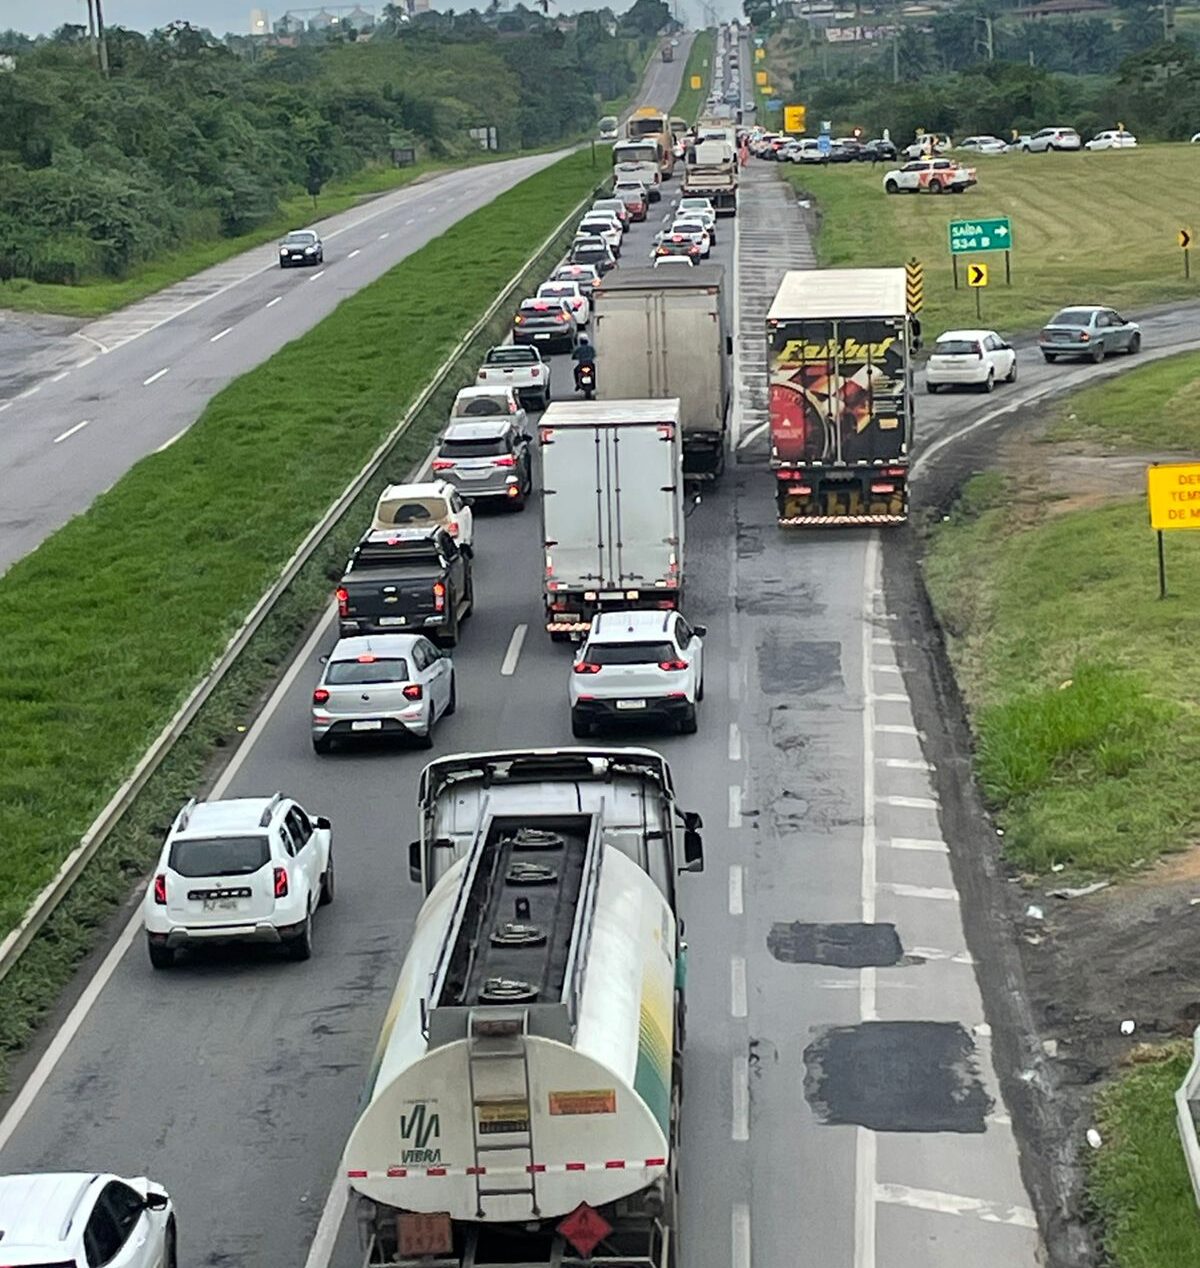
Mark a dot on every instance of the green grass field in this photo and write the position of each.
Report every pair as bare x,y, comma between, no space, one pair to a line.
1087,228
162,568
1080,680
1139,1181
700,58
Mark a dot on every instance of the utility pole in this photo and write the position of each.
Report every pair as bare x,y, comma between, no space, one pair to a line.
92,30
1168,21
100,37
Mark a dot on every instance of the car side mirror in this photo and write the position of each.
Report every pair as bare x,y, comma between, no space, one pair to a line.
693,851
156,1201
324,660
323,823
414,861
701,631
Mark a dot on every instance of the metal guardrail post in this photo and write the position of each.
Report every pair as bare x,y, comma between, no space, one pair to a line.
1187,1095
16,941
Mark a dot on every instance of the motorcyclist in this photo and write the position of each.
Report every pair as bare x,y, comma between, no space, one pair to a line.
584,354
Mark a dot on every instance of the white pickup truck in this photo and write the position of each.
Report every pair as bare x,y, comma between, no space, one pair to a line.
520,368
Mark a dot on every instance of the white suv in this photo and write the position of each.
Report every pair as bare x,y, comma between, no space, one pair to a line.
251,869
64,1219
1052,139
639,664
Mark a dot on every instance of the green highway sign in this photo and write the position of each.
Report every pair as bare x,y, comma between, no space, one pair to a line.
969,236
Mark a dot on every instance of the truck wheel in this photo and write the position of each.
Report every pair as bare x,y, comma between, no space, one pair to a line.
452,703
891,187
545,399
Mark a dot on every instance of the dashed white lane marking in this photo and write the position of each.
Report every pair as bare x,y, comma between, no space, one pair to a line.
907,763
955,1204
735,805
85,362
317,274
922,891
71,431
221,334
923,844
409,221
509,664
886,669
166,444
910,803
29,391
735,743
6,405
353,253
881,640
890,697
58,378
737,986
272,302
388,233
735,681
898,728
736,880
154,378
741,1235
741,1098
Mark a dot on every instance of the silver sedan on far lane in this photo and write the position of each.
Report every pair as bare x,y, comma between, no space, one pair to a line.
1088,331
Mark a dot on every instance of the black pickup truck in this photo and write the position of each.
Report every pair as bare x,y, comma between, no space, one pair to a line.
414,580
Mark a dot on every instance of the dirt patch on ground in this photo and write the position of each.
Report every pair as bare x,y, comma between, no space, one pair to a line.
1059,975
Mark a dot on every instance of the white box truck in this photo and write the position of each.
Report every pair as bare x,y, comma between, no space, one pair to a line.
663,333
612,509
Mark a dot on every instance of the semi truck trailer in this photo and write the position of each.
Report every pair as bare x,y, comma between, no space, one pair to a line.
840,344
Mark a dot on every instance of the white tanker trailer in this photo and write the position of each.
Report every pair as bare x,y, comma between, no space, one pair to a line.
522,1107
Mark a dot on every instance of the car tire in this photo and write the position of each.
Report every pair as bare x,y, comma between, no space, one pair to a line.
322,744
546,399
452,703
1011,376
688,723
161,957
580,729
934,187
517,504
931,388
328,881
449,638
890,187
700,689
1050,356
989,384
301,946
1135,345
426,741
171,1245
1098,353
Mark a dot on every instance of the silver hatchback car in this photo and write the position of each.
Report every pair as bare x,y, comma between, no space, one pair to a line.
487,458
382,685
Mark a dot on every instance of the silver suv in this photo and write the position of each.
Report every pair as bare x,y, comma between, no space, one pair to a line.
1052,139
487,458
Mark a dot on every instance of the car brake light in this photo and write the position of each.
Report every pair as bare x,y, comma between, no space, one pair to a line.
160,889
512,407
443,464
320,695
673,666
281,882
452,528
586,667
343,602
505,460
439,596
883,488
535,373
413,691
483,374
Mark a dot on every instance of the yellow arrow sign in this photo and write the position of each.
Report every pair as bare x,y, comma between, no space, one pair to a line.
977,275
1185,239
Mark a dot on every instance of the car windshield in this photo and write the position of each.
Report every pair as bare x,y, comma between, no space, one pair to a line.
955,347
412,510
301,238
473,446
1072,317
629,653
219,856
366,669
512,356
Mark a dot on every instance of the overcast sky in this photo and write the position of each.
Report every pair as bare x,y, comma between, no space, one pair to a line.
37,16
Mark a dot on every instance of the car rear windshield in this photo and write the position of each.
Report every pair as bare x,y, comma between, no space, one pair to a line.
220,856
473,447
481,406
343,673
955,347
630,653
557,292
1072,317
512,356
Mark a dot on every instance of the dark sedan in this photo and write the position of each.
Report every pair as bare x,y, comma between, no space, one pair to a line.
592,251
546,323
301,247
878,151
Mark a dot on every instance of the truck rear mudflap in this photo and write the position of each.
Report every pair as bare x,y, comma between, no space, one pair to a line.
808,498
703,455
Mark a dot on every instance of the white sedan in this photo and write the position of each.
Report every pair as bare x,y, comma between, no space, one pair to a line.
970,358
572,296
695,228
1111,140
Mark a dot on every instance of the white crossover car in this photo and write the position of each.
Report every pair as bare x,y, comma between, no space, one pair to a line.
970,358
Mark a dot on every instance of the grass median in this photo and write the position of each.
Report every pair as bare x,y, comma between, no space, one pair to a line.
107,626
699,63
1081,682
1087,228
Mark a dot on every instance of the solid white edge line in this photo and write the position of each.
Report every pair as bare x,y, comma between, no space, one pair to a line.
156,376
741,1098
221,334
325,1239
736,884
740,1257
272,302
513,654
6,405
166,444
71,431
737,986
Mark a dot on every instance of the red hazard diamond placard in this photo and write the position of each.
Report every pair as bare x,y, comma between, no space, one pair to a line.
585,1228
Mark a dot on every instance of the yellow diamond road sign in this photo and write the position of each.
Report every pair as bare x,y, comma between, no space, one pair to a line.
1174,489
977,275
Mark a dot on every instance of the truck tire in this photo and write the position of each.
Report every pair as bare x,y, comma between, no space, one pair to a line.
1050,356
452,703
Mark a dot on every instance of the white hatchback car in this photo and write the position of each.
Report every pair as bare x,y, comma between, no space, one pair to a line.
697,228
1112,140
436,502
701,208
639,664
65,1219
249,869
576,300
970,358
382,684
600,226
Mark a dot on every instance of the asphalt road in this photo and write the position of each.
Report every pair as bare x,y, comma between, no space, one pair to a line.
841,1106
78,409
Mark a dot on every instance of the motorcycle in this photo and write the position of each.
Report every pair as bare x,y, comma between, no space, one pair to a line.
585,379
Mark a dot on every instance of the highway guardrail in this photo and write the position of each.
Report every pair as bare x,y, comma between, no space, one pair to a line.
19,938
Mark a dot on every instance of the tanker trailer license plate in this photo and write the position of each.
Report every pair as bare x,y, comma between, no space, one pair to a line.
424,1233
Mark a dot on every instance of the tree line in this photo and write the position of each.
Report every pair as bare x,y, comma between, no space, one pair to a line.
187,139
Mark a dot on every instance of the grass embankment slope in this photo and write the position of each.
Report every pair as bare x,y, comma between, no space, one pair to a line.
111,621
700,62
1087,228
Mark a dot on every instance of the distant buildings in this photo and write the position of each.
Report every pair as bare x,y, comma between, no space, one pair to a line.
317,21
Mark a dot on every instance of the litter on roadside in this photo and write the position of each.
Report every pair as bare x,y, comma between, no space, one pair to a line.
1080,891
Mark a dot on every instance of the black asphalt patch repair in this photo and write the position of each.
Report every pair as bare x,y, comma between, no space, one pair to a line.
896,1076
842,946
794,666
